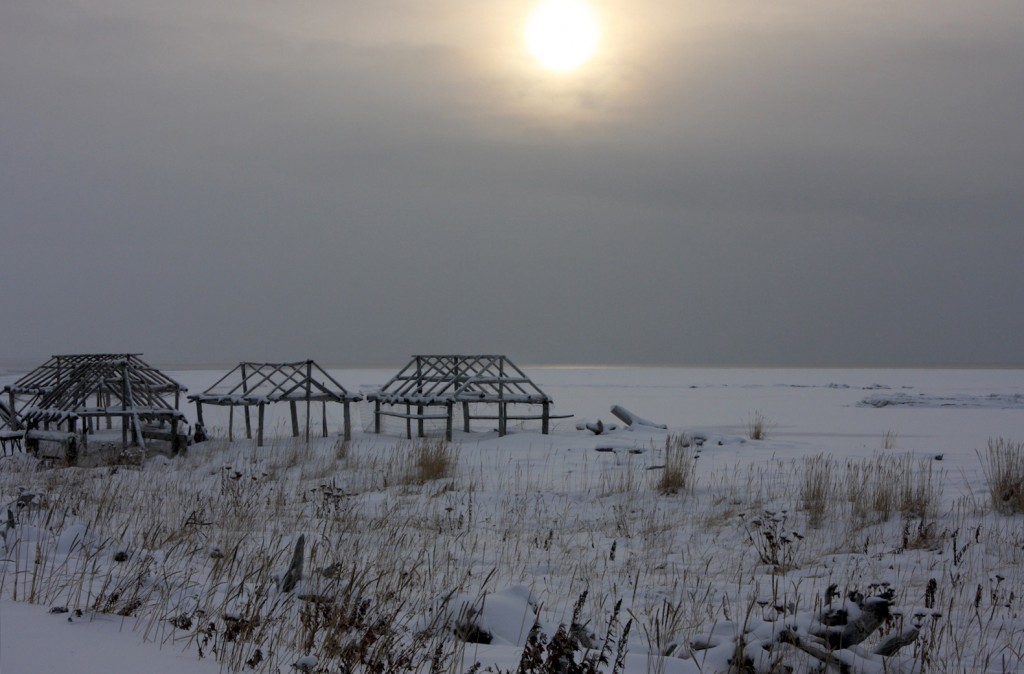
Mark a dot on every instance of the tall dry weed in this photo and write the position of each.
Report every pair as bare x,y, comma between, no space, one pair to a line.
677,475
1003,466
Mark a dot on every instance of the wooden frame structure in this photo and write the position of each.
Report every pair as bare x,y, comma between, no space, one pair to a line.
446,380
9,438
258,384
95,387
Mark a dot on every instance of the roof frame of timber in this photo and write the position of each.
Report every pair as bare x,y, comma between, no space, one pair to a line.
257,384
446,380
90,385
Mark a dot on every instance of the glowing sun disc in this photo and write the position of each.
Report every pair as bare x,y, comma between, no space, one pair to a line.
562,34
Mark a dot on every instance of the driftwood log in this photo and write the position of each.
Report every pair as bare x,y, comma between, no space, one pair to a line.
631,419
832,637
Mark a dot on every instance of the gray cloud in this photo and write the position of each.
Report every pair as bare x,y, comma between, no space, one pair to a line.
208,182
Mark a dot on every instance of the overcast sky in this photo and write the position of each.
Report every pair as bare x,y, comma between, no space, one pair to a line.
794,182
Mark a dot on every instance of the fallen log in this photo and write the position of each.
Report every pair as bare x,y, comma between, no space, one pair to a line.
631,419
895,642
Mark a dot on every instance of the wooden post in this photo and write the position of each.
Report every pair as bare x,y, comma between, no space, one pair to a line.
545,417
376,417
465,417
348,423
295,418
448,422
199,413
309,379
419,422
502,408
245,392
323,417
231,423
408,421
175,444
259,437
125,404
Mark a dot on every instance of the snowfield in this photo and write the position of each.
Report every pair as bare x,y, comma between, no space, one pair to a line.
688,549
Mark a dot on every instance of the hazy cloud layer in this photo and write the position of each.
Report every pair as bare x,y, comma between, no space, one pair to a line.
729,182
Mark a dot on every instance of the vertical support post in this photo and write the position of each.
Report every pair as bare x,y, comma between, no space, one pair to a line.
199,413
259,426
419,421
502,407
376,417
245,392
465,417
348,422
408,421
231,423
295,418
175,441
71,449
323,417
545,422
309,379
125,404
449,421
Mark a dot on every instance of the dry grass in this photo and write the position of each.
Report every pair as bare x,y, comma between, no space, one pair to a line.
677,475
430,460
818,489
1003,466
881,487
202,554
757,427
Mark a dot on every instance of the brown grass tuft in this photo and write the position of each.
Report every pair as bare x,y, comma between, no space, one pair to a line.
1003,466
678,473
430,460
757,427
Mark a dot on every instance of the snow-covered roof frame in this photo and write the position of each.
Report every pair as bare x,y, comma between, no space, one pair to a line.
432,380
444,380
250,383
81,385
88,386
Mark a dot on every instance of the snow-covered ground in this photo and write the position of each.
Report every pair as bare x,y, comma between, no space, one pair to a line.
176,564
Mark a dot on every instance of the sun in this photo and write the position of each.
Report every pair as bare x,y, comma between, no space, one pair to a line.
562,34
